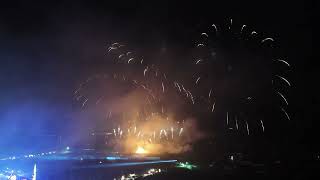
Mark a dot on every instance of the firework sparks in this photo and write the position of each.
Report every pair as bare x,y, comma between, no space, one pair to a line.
262,125
284,79
161,88
282,96
247,126
243,26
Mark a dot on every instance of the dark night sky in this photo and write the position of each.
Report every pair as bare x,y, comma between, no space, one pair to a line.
46,49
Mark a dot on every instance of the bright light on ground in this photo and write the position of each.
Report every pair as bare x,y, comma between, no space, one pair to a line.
186,165
141,150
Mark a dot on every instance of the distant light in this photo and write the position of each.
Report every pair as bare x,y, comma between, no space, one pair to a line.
68,148
14,177
186,165
141,150
111,158
231,157
34,176
100,162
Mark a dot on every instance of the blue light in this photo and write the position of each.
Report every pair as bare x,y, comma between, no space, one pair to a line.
127,164
34,176
112,158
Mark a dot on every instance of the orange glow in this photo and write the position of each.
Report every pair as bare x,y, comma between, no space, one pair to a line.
141,150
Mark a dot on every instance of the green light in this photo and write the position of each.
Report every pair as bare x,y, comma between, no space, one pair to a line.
186,165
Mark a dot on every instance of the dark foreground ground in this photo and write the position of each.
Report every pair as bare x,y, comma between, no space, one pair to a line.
89,170
68,166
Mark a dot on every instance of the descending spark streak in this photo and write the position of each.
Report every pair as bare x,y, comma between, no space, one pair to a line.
210,93
204,34
111,48
282,96
130,60
283,61
213,107
143,86
236,123
243,26
230,24
145,70
178,87
267,39
247,128
165,133
128,53
191,97
121,55
215,27
227,118
165,76
171,132
185,91
114,44
84,103
198,61
284,79
197,80
162,87
285,113
141,61
262,125
253,32
180,132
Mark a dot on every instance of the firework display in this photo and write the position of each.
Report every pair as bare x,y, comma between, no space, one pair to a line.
233,78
